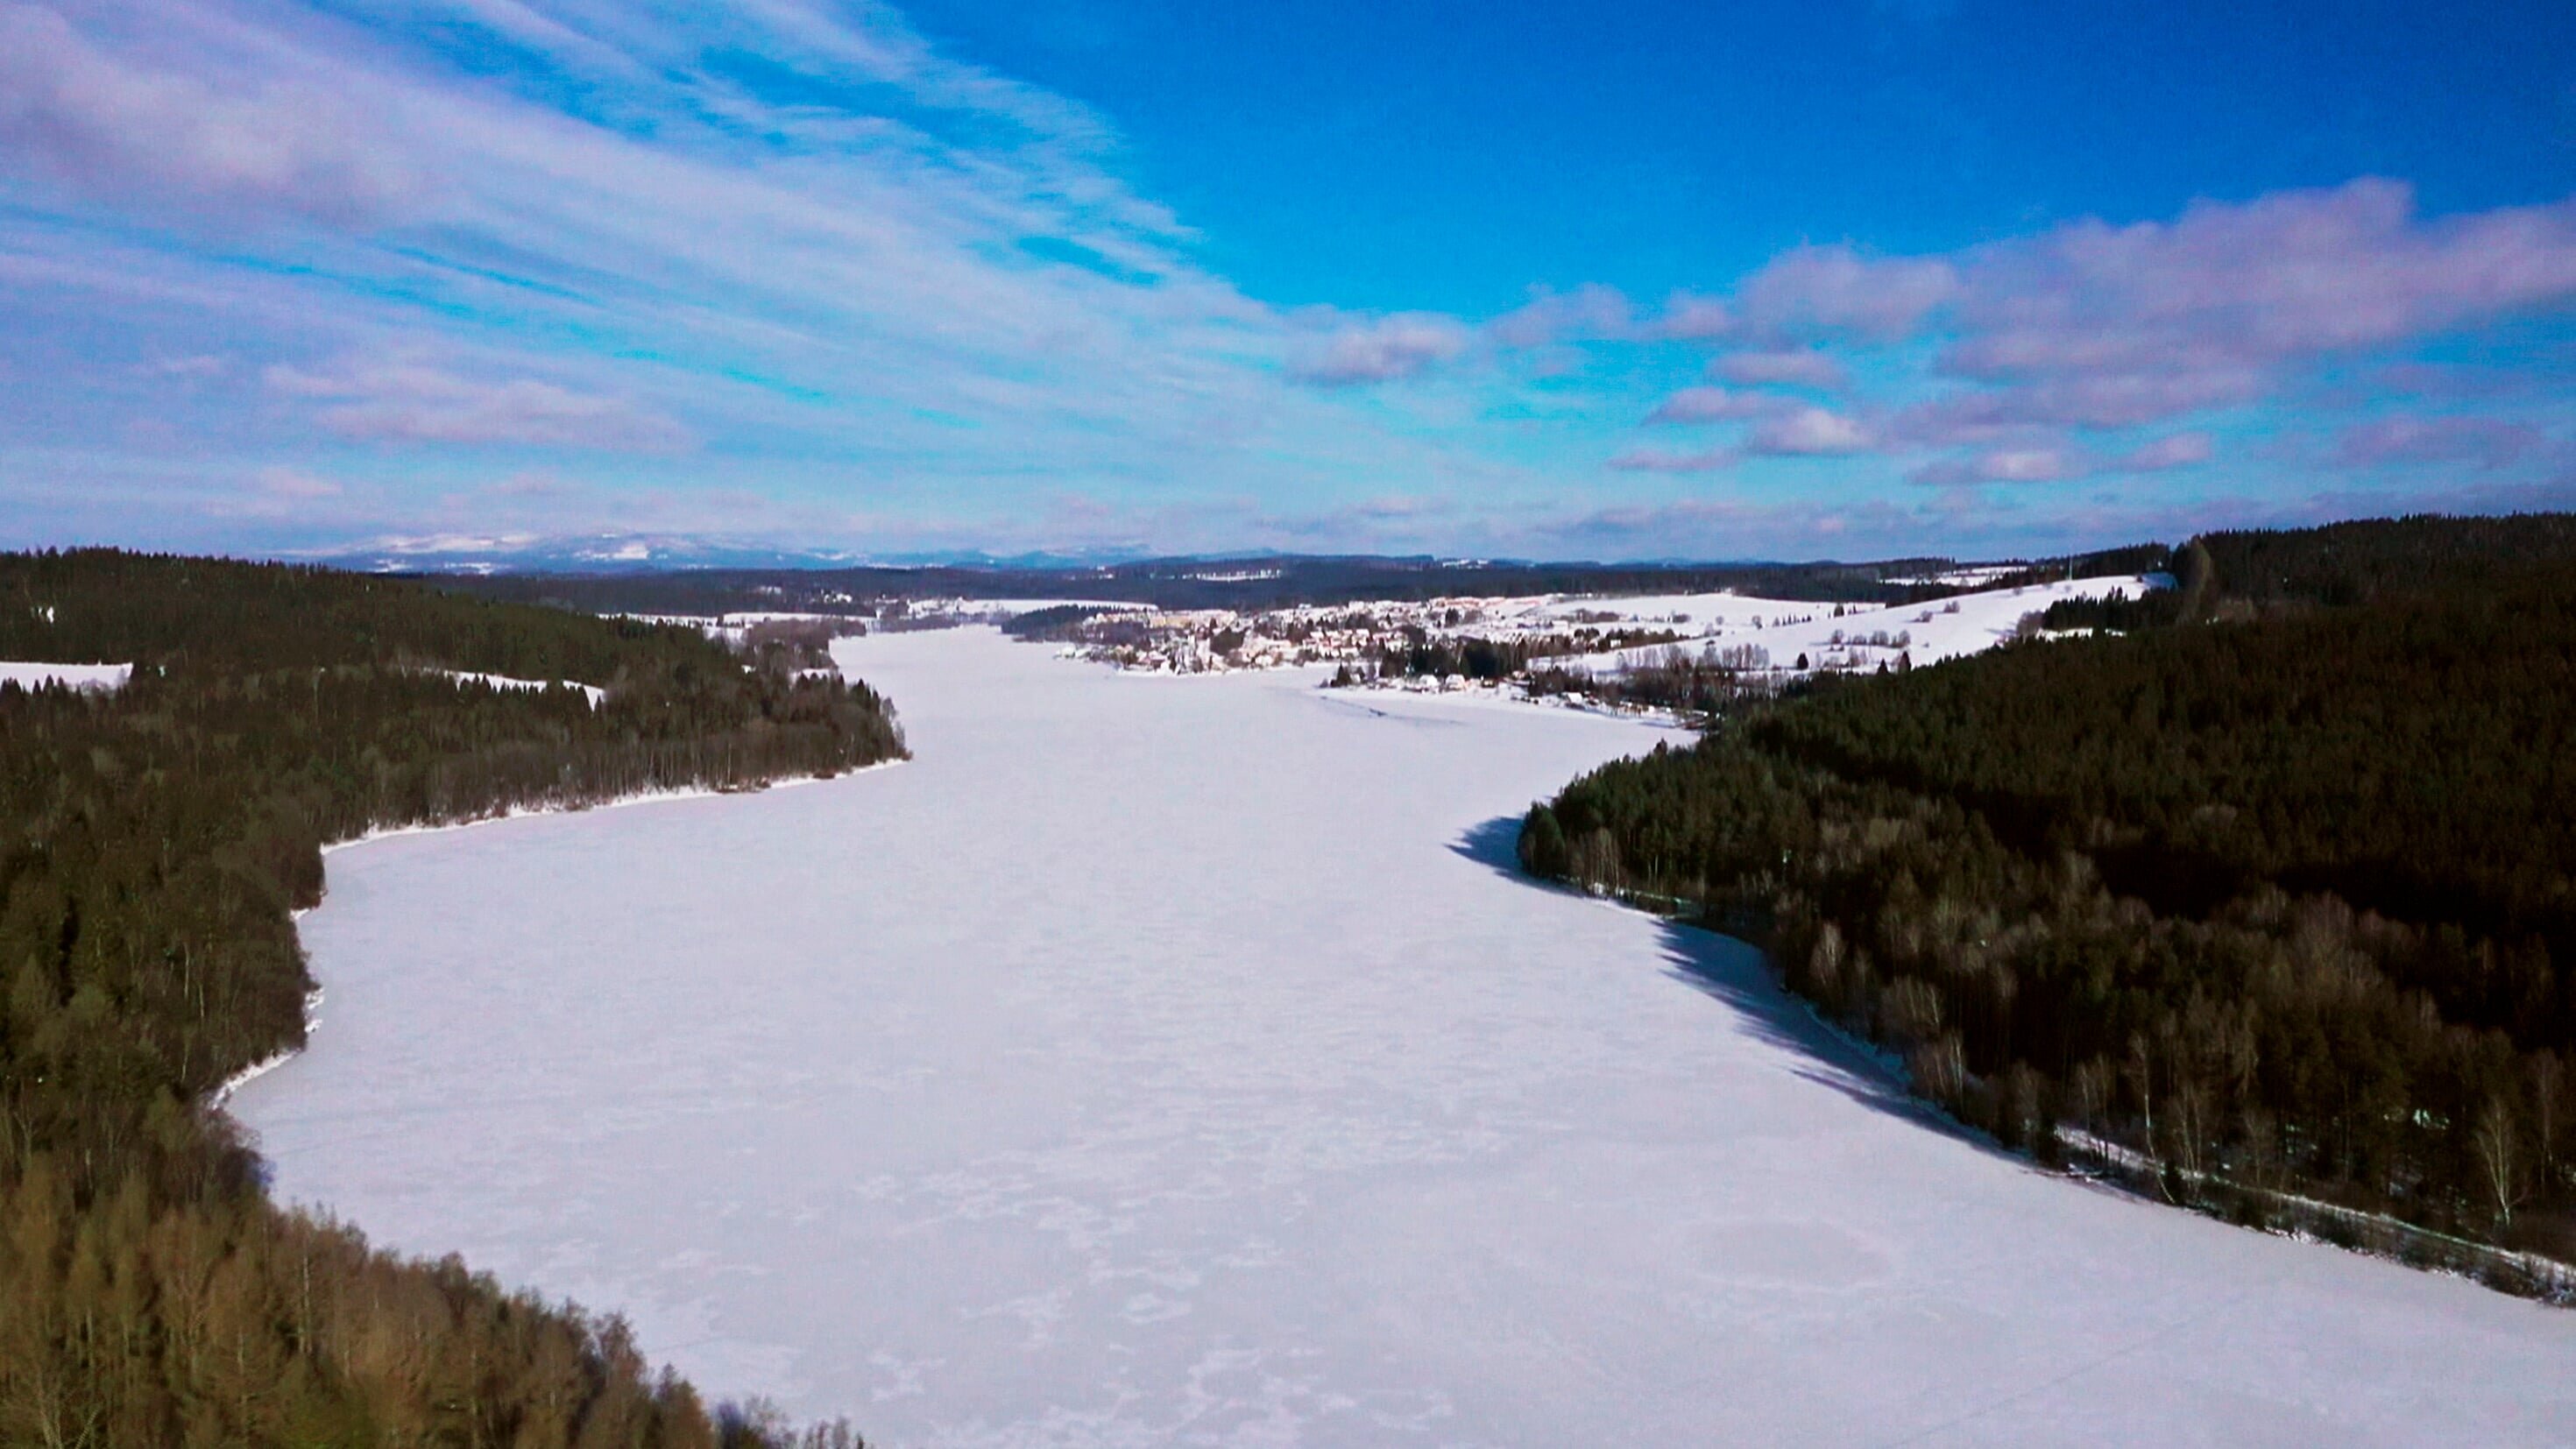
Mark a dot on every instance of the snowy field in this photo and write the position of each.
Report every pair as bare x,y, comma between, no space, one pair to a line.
1761,637
1942,629
1174,1061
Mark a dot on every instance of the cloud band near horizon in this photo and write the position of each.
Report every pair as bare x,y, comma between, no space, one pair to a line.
291,279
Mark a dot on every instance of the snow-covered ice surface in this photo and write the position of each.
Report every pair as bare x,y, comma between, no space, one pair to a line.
77,676
1173,1061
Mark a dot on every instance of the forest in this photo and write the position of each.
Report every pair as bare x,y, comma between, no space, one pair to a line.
2269,890
159,838
1249,584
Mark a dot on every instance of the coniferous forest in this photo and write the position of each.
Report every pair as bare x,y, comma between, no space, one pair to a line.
158,839
2269,896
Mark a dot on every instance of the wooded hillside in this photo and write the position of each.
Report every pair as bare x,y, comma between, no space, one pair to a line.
2283,903
158,838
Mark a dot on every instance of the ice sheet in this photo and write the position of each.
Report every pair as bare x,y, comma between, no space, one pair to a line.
1174,1061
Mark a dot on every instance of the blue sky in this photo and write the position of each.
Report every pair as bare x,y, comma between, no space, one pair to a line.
1539,280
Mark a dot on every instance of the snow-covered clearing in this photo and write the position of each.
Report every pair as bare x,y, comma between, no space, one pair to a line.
1173,1061
1756,637
76,676
1689,613
1863,636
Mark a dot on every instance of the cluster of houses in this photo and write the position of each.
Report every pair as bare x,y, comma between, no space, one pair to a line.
1208,641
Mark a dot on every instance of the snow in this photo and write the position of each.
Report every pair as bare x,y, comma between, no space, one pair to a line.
1032,605
1969,577
1176,1061
1736,631
224,1091
1933,631
1688,613
592,692
36,675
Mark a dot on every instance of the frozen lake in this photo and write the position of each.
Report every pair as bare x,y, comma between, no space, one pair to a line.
1171,1061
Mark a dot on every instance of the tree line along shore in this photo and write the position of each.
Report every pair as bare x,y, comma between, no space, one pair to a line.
159,838
2259,895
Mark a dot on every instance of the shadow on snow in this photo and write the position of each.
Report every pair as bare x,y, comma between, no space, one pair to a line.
1735,972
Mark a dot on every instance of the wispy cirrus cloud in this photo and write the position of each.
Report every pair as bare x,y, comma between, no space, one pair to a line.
790,266
1721,527
132,128
296,485
2061,462
2098,402
408,402
2481,443
880,279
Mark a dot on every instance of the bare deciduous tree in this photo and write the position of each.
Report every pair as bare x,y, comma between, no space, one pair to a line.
2093,1087
2499,1149
1941,1069
2189,1124
2142,1080
2548,1091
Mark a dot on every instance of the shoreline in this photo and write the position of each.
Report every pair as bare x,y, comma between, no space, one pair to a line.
2132,1174
1506,695
613,802
223,1092
1299,1110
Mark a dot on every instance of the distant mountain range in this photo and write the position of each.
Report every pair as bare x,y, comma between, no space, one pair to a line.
636,553
638,586
652,553
688,574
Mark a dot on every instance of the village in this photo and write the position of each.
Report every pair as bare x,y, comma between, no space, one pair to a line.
1651,651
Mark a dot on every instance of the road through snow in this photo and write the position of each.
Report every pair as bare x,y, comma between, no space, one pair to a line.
1174,1061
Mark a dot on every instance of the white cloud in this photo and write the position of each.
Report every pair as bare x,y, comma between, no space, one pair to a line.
1715,405
1810,431
408,402
100,122
1382,349
295,485
866,308
1786,367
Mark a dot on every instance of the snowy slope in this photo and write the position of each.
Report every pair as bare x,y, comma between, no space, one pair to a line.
1161,1061
1944,629
1690,613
